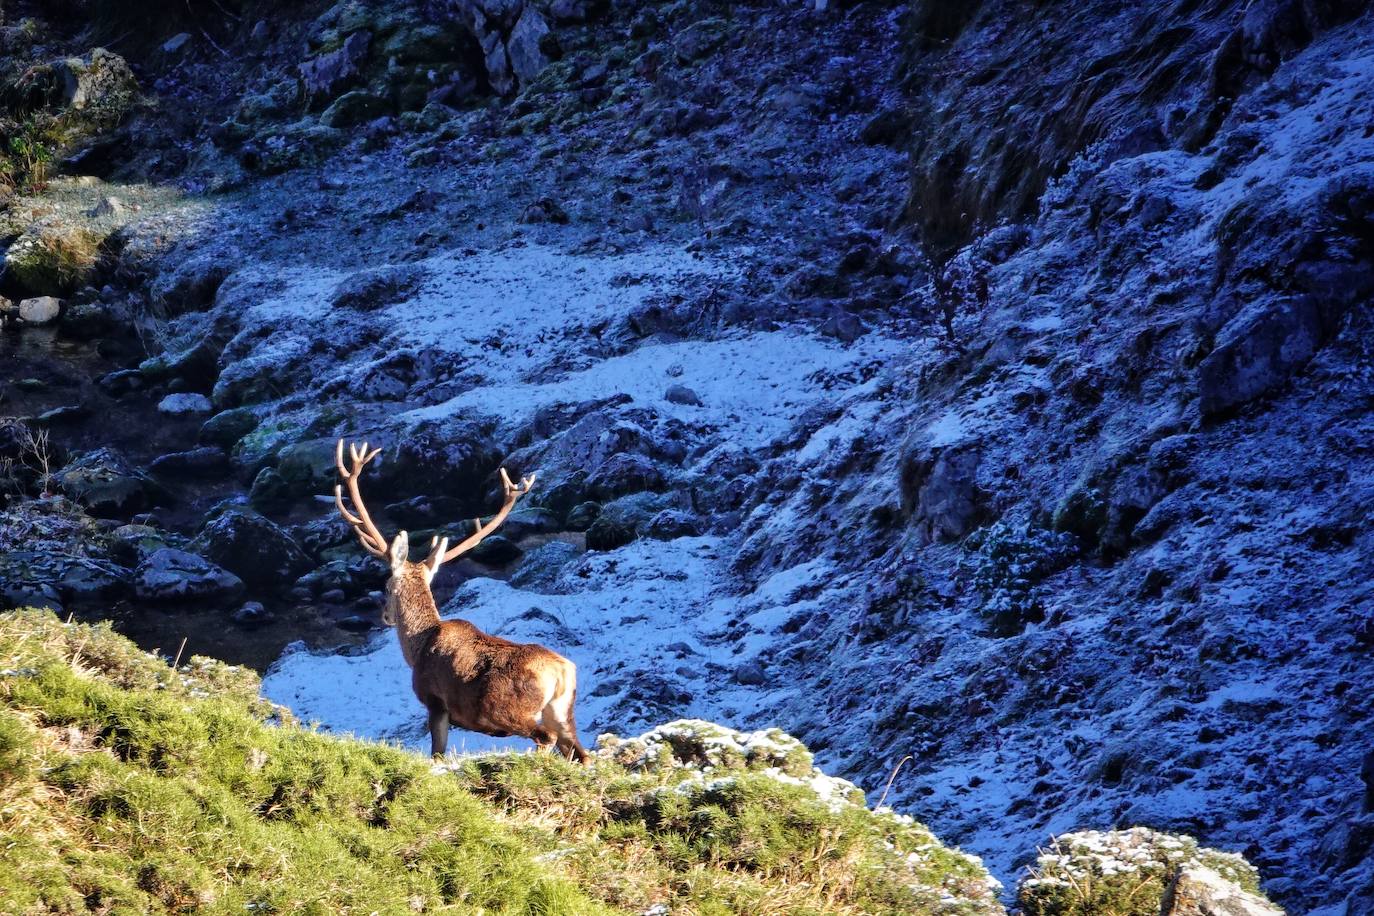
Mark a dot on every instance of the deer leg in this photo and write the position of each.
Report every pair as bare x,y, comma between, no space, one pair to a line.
438,732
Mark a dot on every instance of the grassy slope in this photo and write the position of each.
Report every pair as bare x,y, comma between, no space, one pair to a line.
127,786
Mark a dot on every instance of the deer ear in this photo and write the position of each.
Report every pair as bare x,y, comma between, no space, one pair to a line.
400,551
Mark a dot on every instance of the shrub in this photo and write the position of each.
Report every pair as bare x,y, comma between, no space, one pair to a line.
1006,566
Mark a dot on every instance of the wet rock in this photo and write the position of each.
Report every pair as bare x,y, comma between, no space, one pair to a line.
495,550
252,547
681,394
196,367
228,426
168,574
356,623
205,461
252,615
29,594
107,485
121,382
89,320
184,404
83,580
40,310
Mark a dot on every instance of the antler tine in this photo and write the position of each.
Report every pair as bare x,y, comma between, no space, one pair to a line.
511,493
372,540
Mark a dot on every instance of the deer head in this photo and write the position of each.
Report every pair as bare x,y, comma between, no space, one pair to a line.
406,575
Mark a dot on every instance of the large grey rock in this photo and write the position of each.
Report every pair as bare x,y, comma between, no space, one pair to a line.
169,574
527,60
191,285
107,485
940,489
252,547
40,309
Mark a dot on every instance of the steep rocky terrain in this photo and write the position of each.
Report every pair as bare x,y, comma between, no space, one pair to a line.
980,383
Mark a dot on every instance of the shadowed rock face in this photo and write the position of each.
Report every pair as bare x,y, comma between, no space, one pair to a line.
1010,92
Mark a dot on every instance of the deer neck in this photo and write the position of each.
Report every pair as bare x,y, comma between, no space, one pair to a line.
416,617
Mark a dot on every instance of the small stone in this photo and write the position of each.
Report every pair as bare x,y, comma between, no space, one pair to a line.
121,382
40,310
355,623
751,674
71,413
252,614
176,43
681,394
108,207
184,405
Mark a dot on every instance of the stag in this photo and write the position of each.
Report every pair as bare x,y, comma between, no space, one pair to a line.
464,677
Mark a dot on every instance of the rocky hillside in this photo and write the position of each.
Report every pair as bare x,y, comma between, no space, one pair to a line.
982,383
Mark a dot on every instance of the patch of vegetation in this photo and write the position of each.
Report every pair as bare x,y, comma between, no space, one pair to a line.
127,785
1007,563
53,258
1120,873
131,786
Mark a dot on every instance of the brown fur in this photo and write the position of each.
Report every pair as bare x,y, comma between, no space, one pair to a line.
476,681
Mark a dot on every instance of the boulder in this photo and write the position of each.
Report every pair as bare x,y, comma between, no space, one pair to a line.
540,568
940,490
625,473
270,491
93,92
40,310
353,108
205,461
184,404
168,574
254,548
252,615
228,426
327,75
681,394
699,39
523,47
495,550
107,485
607,533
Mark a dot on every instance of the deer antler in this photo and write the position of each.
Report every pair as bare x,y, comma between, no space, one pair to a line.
439,556
362,525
